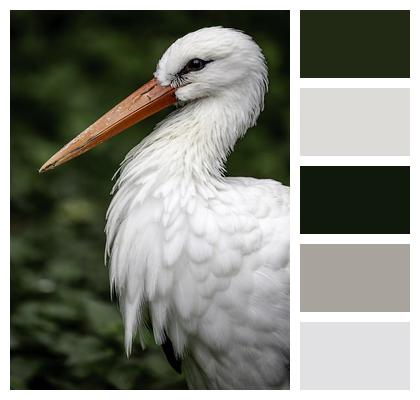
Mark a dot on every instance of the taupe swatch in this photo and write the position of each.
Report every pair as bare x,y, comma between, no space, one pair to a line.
355,355
354,277
355,122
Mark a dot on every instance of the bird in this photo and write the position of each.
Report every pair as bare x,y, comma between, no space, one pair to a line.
199,258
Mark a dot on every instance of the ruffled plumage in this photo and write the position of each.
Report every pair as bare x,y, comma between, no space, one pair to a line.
206,256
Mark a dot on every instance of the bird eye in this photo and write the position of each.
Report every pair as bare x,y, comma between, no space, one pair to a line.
194,65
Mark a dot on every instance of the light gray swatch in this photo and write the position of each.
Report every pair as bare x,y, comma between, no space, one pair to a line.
355,122
355,355
355,277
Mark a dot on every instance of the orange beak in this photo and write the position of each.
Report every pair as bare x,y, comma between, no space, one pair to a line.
145,101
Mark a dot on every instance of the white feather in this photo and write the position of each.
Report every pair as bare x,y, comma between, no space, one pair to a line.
208,255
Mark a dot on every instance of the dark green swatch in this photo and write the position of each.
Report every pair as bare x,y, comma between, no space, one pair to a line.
355,199
355,44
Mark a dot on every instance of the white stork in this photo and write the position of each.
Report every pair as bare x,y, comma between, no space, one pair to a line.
203,257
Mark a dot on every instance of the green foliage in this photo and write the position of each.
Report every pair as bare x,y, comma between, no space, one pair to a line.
67,69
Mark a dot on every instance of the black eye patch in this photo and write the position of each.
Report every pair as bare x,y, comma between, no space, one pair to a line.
194,65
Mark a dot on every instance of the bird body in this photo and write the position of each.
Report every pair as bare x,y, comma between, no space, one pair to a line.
204,256
209,260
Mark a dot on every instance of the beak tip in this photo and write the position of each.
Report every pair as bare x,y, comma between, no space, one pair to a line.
47,166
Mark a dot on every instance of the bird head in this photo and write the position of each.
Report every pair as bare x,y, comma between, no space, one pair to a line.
211,62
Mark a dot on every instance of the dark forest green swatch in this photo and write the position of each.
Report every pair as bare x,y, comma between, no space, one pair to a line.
355,199
355,44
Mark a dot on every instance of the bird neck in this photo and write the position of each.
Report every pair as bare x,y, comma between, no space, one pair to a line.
202,136
193,143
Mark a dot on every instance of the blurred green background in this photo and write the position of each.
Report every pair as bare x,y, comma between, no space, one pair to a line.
67,69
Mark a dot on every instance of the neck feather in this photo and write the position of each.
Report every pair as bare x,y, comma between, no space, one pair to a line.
193,143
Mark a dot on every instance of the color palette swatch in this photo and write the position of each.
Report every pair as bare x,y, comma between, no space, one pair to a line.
356,199
355,122
355,188
355,277
355,355
355,44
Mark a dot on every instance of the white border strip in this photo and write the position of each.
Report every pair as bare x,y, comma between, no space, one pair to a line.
354,239
344,83
354,317
355,160
294,199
